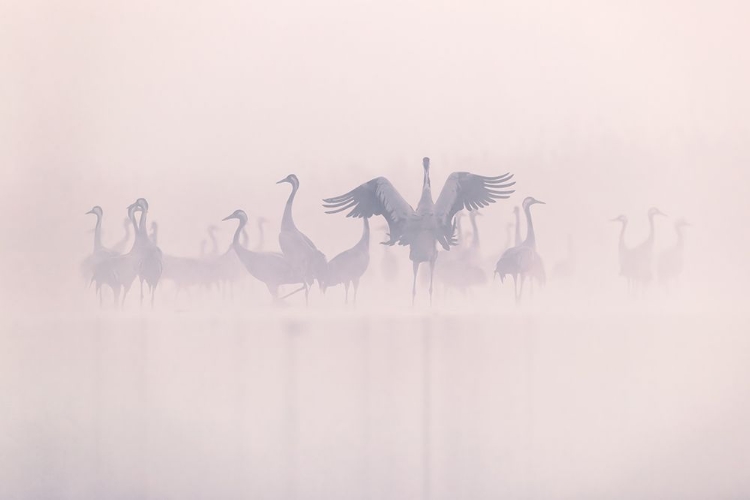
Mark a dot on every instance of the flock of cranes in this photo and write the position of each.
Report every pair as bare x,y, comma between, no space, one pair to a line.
301,264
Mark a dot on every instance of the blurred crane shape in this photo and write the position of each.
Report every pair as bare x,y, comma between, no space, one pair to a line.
271,268
348,267
566,267
461,269
121,245
641,257
120,271
297,248
150,265
521,260
517,216
670,262
99,252
154,236
261,222
432,222
623,252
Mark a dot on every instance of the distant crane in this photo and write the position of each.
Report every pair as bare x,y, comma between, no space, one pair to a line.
431,222
121,245
150,265
670,262
520,260
99,253
271,268
623,252
642,256
120,271
349,266
297,248
517,216
261,221
154,236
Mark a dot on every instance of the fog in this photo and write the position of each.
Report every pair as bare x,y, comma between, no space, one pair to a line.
582,390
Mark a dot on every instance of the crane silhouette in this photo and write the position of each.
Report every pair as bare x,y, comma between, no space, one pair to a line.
517,233
297,248
432,222
623,252
150,265
120,271
121,245
349,266
670,262
520,260
99,253
270,268
642,255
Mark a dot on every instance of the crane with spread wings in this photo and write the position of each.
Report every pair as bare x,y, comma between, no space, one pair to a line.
432,222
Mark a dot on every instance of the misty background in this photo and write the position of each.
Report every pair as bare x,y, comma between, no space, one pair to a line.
598,108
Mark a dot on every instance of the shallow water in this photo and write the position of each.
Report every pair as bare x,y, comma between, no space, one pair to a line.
290,404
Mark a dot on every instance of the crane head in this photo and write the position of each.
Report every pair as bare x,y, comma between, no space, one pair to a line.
426,163
142,203
655,211
681,222
619,218
516,209
237,214
291,179
530,200
97,210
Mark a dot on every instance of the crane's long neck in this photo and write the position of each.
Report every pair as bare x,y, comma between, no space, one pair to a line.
475,233
240,227
365,240
131,217
518,228
530,237
650,239
680,237
508,236
98,233
287,222
425,202
141,234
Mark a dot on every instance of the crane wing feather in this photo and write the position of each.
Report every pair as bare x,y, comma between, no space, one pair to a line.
470,191
375,197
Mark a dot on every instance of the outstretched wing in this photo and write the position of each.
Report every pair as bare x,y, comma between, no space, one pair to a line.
470,191
376,197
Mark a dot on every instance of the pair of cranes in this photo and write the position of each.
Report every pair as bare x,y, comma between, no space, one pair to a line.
119,271
637,263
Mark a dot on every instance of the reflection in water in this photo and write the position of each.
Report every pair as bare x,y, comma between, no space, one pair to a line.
351,406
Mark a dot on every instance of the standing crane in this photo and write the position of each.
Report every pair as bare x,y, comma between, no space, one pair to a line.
670,262
296,247
270,268
623,252
119,272
150,264
517,216
349,266
521,260
99,253
261,222
642,255
432,222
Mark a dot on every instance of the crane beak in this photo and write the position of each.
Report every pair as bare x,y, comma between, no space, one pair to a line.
283,181
228,217
540,202
89,212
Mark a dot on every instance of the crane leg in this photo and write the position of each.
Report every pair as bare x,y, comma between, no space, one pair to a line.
125,291
415,266
515,287
153,292
520,290
432,273
356,286
346,288
116,292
